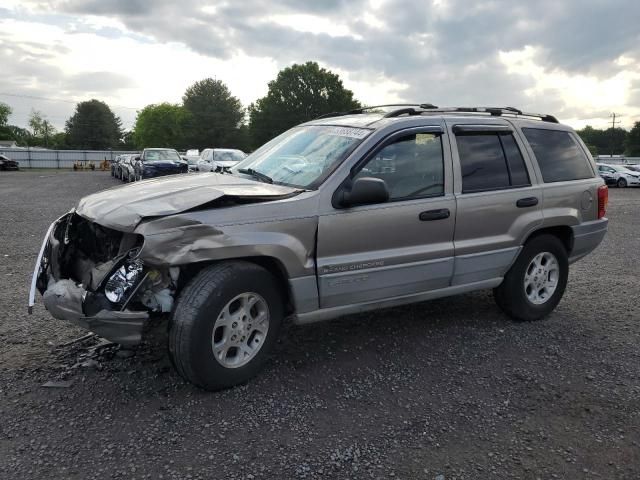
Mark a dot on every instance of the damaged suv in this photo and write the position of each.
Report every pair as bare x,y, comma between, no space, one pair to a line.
353,212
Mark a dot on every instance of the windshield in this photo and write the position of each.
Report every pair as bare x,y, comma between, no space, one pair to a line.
228,156
161,156
303,156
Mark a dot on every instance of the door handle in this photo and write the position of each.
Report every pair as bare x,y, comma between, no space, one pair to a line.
527,202
439,214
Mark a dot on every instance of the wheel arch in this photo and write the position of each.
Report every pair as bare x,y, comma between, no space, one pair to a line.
563,232
272,264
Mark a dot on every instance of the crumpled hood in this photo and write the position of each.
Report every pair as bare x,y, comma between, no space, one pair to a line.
122,208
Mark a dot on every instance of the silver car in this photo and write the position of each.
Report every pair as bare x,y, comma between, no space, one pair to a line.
219,159
371,209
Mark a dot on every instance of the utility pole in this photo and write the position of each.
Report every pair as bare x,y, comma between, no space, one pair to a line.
613,130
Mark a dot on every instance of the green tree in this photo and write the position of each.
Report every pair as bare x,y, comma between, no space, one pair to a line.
215,114
93,126
632,142
128,141
605,141
41,128
593,150
162,125
58,141
298,94
5,111
5,132
22,136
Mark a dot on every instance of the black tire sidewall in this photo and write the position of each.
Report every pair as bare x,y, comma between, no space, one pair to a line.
208,371
622,183
519,305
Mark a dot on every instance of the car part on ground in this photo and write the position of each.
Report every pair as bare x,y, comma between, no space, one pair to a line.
283,231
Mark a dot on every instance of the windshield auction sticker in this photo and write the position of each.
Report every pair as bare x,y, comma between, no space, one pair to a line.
350,132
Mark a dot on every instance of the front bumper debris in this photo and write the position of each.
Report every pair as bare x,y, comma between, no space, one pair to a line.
67,299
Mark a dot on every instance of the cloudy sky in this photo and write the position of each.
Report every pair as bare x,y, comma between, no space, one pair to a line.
577,59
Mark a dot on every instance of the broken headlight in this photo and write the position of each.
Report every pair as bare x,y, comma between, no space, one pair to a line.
123,281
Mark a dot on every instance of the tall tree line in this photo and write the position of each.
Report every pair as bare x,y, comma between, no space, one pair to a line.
208,116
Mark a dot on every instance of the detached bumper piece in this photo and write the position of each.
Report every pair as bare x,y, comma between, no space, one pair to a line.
72,277
63,300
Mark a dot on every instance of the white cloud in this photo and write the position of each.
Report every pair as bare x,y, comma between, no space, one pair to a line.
589,92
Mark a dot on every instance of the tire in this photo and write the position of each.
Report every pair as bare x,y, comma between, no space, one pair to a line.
193,334
130,179
513,295
622,183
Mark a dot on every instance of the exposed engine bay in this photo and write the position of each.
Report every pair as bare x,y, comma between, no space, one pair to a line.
91,274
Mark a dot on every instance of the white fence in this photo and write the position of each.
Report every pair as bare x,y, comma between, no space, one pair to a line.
40,158
617,160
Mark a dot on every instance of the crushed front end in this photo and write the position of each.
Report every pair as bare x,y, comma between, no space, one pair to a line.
91,275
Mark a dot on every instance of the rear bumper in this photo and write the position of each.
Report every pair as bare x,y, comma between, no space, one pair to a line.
586,237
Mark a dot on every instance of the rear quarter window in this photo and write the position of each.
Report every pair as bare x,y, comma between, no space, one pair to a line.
559,156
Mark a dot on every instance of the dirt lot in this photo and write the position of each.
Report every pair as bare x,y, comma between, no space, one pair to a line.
440,390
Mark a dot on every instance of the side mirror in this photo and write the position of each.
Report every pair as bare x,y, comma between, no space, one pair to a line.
137,158
364,191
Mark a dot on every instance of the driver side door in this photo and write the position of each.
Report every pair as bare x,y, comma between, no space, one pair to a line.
399,247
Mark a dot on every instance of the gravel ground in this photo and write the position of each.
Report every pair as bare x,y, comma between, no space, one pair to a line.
448,389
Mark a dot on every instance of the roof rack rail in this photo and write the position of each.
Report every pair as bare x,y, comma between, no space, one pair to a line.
497,112
418,109
404,106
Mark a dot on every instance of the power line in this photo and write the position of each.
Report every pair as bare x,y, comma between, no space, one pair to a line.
49,99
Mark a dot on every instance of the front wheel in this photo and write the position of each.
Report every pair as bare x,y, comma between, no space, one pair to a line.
622,183
534,285
224,325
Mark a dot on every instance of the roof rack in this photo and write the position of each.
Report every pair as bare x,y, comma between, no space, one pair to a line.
498,112
419,109
493,111
405,106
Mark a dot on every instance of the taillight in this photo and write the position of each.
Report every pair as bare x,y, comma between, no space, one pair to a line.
603,200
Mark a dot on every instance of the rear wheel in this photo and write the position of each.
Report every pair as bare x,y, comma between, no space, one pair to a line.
622,183
224,325
534,285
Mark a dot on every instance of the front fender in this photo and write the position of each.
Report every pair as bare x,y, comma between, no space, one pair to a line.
292,242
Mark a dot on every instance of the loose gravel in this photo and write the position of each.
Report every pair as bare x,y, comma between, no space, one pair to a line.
448,389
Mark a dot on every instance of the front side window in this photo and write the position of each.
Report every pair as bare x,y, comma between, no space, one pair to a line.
490,161
412,166
303,156
559,156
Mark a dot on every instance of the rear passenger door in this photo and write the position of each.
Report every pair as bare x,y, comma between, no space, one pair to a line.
498,200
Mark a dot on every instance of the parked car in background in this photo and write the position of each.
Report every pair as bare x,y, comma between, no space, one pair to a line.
156,162
336,216
623,176
127,171
192,156
219,159
8,164
115,166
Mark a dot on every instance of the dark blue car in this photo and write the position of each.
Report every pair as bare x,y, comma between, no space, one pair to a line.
156,162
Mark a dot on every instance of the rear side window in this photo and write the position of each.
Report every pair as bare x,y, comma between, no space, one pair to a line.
559,156
490,161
